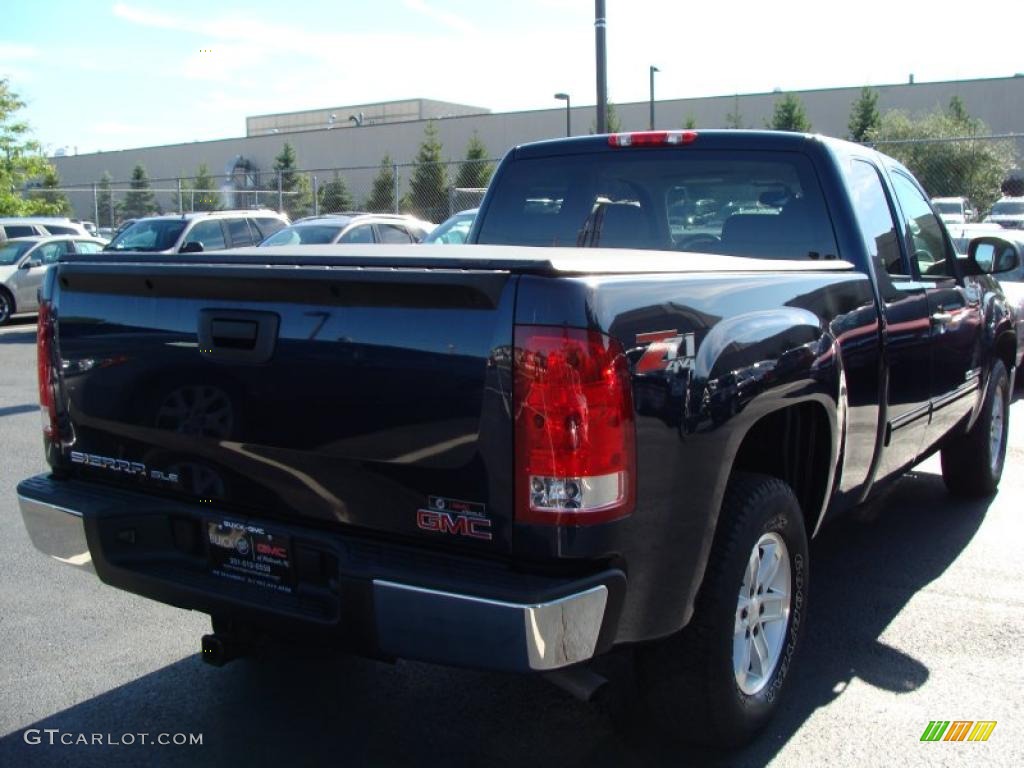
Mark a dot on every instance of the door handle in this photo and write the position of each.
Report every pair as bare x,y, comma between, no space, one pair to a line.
942,318
237,336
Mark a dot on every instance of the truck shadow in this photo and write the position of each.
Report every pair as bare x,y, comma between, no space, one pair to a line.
294,710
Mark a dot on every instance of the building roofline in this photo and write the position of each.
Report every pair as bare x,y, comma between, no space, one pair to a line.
483,110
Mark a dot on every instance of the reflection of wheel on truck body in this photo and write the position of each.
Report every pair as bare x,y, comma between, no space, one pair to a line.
197,409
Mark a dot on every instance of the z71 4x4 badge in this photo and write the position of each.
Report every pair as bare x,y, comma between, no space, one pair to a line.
454,517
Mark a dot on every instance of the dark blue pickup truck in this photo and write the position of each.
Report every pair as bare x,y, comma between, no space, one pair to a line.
614,421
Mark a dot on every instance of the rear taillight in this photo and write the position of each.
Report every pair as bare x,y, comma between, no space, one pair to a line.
651,138
47,373
575,436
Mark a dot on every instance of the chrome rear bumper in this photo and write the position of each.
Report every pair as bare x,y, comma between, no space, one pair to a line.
57,532
505,623
413,622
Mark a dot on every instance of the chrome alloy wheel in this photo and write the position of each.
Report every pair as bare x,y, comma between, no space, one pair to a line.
996,425
762,614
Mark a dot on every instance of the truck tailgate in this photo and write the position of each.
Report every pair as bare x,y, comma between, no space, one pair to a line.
365,398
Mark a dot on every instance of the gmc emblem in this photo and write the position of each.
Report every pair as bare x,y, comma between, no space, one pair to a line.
267,549
454,523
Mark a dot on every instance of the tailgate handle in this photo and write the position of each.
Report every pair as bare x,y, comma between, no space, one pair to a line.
237,336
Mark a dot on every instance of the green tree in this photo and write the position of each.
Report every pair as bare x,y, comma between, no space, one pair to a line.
790,115
140,200
428,187
612,124
734,119
335,196
21,160
475,172
205,196
105,202
382,194
296,192
940,150
957,111
864,115
49,193
611,119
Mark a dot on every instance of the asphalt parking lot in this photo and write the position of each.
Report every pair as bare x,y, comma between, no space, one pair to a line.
916,614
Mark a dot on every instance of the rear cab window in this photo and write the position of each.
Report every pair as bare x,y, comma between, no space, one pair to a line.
740,203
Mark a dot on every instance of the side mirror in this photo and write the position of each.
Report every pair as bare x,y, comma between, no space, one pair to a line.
993,255
192,246
31,264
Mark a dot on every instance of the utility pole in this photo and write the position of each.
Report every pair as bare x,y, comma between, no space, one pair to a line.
602,66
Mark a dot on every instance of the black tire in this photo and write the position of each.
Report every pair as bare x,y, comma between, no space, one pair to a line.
972,464
687,683
6,307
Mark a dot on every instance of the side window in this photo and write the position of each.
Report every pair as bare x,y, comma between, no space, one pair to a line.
876,219
391,234
49,253
362,233
84,246
268,226
240,235
927,247
208,233
20,230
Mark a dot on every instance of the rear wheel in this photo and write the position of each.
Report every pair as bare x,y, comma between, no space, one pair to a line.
719,679
6,306
972,463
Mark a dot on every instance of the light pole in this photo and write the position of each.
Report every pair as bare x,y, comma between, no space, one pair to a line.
601,50
568,112
653,70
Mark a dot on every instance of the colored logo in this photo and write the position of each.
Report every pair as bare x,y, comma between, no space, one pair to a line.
958,730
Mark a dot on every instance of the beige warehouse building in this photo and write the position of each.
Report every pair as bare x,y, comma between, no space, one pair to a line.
355,138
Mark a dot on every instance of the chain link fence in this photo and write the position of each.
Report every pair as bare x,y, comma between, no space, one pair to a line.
979,168
430,191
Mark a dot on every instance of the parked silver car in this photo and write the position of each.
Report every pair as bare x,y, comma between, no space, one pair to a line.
23,263
29,226
388,228
196,232
453,231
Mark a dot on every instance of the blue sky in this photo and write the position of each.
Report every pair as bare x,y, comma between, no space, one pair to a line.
111,75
